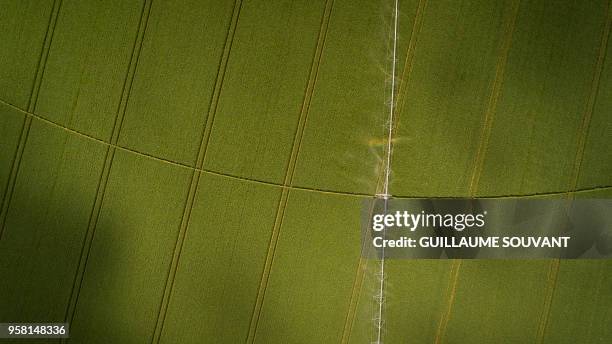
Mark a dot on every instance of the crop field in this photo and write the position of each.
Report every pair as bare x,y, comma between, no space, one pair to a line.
193,171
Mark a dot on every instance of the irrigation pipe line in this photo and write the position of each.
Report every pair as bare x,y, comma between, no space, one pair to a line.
380,297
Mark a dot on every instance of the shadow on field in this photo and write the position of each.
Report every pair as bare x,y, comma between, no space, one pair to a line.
44,234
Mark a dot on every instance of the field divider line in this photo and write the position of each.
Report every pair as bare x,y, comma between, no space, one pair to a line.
179,164
500,69
25,129
549,291
498,81
535,194
308,94
279,185
15,164
196,174
452,292
349,320
583,133
107,166
590,104
402,95
290,170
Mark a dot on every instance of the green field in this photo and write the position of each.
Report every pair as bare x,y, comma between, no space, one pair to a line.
194,171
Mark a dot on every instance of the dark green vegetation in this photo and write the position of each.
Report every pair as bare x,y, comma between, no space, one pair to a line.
192,171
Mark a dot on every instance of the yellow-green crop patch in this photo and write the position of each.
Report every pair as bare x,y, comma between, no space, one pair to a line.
268,70
174,81
87,64
221,261
46,223
186,171
23,26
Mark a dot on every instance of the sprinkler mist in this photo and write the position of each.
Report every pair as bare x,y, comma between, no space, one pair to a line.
379,296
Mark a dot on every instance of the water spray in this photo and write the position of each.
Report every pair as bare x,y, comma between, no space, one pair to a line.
379,297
